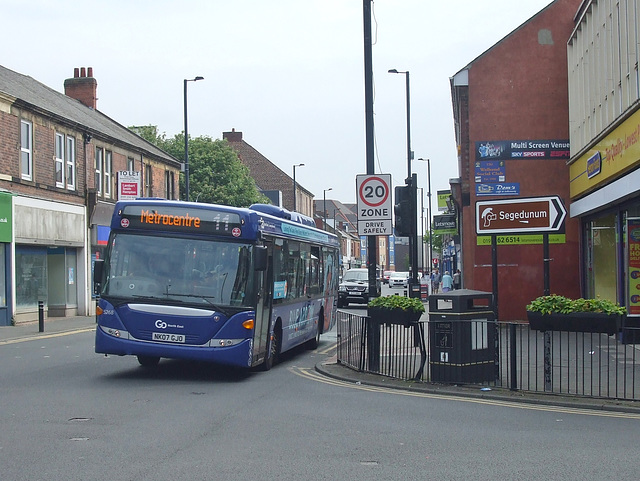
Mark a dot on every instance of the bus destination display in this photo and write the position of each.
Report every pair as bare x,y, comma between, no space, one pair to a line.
177,219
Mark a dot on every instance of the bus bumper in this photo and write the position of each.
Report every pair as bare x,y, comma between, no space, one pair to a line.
238,354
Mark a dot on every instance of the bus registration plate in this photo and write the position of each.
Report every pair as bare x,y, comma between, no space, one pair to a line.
166,337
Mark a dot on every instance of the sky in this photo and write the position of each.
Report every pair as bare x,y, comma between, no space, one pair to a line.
288,74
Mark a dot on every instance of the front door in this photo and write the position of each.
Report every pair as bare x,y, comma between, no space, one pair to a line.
263,308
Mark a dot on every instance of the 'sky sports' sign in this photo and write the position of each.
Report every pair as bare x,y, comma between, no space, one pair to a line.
535,214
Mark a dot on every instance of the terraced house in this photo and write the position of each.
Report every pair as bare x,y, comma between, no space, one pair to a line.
63,165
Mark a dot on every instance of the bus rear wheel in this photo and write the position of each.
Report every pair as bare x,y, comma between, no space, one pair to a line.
313,343
148,361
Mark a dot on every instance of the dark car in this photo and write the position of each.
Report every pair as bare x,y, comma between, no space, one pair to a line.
354,287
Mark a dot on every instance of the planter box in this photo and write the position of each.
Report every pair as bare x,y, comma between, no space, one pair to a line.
576,322
631,330
393,316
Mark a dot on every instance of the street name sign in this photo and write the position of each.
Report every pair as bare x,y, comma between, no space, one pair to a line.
374,204
512,216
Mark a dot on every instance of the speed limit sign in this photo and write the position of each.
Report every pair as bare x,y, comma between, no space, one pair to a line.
374,204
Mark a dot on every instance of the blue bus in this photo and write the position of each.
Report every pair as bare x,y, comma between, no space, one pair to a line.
205,282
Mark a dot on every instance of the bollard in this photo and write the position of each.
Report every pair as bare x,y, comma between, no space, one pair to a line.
40,316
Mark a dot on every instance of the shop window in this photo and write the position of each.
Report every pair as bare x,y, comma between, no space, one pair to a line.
631,238
3,286
602,257
31,276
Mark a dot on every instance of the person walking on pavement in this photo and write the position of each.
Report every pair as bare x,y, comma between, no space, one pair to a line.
435,281
457,277
447,282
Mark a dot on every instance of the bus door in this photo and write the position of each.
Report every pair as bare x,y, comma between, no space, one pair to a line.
263,307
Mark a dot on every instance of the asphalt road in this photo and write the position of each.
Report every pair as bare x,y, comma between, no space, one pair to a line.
70,414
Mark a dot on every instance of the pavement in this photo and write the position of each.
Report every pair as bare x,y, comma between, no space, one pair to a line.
330,367
53,326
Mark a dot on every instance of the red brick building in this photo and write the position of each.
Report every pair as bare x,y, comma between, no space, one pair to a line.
60,158
512,130
270,179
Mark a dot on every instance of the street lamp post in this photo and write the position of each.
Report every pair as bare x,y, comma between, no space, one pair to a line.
324,206
429,213
422,256
413,245
295,187
186,139
409,153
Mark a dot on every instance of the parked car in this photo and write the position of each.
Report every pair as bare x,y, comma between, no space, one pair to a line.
400,279
385,277
354,287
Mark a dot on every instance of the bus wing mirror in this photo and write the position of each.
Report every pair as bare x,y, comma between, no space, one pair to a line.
98,268
260,258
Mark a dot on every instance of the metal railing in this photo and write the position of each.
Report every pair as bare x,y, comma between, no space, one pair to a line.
507,355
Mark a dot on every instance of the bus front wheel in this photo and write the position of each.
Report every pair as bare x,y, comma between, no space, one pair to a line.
274,349
148,361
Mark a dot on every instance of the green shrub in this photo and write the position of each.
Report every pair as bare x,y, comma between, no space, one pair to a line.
564,305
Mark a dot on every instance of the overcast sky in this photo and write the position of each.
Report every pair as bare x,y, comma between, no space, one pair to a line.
288,74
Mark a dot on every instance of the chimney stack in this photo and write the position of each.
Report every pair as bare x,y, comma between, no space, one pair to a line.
82,87
232,136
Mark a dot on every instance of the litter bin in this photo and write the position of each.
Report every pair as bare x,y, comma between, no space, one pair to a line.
462,337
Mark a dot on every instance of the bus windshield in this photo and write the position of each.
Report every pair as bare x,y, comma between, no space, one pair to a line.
180,270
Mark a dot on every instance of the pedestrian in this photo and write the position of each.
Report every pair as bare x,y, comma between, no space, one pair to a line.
436,278
447,282
457,278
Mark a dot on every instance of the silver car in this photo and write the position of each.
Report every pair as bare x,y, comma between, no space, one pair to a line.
399,279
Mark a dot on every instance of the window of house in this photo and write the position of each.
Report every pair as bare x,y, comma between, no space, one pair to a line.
99,161
71,163
131,164
59,160
26,150
168,181
147,180
108,164
65,161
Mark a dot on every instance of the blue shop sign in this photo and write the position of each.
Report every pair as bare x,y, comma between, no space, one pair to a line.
498,189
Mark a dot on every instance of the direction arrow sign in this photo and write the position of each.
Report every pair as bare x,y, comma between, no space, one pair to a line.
534,214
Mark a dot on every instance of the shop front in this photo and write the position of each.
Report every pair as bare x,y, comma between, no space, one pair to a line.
49,259
605,192
6,234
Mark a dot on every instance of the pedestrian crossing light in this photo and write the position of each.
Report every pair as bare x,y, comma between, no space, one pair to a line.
402,210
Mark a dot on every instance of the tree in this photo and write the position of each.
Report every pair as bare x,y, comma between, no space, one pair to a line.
216,174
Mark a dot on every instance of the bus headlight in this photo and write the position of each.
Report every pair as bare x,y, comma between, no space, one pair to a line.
224,342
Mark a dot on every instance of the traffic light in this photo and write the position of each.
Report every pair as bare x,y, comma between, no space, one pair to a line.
402,210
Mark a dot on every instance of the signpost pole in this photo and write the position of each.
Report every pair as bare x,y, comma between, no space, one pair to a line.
374,330
545,255
494,272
